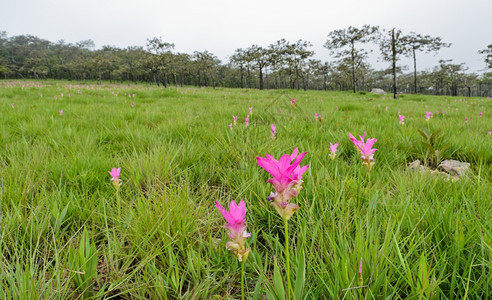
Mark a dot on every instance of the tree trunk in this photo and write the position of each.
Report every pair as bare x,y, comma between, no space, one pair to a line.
261,77
155,78
242,77
353,69
249,78
393,49
414,72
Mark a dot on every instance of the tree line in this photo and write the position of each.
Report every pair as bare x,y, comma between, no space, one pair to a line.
280,65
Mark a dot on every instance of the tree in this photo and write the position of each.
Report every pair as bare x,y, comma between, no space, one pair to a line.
277,56
205,64
160,59
488,57
450,76
392,45
342,38
416,42
238,60
259,56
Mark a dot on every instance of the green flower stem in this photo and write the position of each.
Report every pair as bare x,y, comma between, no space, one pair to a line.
242,280
118,203
289,288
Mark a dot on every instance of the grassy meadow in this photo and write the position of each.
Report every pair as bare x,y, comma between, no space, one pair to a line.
67,234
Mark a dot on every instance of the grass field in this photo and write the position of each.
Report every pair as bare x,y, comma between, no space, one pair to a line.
66,232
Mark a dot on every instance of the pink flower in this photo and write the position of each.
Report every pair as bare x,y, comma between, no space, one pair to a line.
235,119
246,121
360,266
132,104
428,115
480,114
466,120
402,119
133,95
333,150
55,97
273,131
280,110
115,173
61,112
236,219
230,126
443,112
293,102
316,115
115,177
287,180
490,132
355,141
250,111
360,279
61,94
12,104
386,108
437,112
365,149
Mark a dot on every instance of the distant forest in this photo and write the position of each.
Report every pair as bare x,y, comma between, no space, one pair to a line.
281,65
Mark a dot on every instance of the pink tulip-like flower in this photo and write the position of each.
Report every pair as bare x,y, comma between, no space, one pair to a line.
437,112
234,118
316,116
133,95
250,111
273,131
55,97
115,177
402,119
367,153
480,114
490,132
12,104
466,120
333,150
61,112
280,110
230,126
132,104
236,219
365,149
360,279
293,102
61,95
443,112
287,180
355,141
428,115
386,108
246,121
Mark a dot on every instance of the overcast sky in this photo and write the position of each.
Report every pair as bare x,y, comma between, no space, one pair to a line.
221,26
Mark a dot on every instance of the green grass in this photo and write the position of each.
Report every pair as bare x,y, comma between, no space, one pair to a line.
63,236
